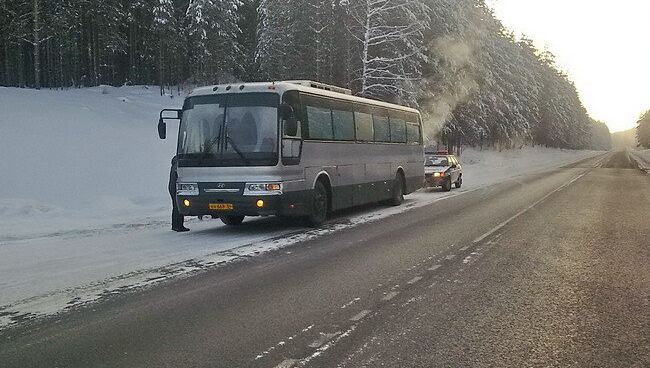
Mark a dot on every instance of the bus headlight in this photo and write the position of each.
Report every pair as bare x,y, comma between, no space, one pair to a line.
257,189
187,189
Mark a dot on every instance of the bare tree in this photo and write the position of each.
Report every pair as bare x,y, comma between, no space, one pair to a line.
390,33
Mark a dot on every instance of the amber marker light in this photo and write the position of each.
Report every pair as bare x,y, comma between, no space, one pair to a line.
186,203
260,203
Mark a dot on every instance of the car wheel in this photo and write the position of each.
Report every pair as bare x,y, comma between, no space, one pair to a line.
319,207
447,185
398,191
232,220
459,183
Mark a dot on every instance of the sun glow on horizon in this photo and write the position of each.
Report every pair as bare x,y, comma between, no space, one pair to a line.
604,46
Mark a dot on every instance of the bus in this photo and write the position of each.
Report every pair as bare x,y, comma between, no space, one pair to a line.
291,149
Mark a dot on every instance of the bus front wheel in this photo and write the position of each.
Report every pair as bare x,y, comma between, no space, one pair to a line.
319,207
232,220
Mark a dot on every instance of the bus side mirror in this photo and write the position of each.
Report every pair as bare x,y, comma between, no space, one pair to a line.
162,129
288,117
291,127
164,114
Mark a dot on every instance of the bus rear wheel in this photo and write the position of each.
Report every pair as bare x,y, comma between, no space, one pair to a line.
232,220
398,191
319,207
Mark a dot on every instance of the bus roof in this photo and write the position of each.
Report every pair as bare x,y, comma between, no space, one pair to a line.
303,86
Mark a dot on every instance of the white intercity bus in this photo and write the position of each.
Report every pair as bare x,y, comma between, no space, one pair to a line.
293,148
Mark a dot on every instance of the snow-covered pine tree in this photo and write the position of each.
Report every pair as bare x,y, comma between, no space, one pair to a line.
296,39
214,34
248,24
14,17
164,26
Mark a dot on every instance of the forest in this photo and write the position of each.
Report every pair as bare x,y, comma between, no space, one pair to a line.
474,81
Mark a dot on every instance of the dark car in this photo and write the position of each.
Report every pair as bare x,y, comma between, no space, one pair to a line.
442,170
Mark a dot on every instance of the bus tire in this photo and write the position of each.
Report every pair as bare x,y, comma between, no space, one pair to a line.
398,191
319,205
232,220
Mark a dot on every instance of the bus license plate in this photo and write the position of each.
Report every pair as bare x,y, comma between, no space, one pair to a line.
221,206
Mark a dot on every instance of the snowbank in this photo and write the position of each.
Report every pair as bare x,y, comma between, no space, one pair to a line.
642,158
70,158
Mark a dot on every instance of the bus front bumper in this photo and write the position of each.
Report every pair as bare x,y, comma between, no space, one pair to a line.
286,204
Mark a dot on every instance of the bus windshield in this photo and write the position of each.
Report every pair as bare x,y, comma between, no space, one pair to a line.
229,130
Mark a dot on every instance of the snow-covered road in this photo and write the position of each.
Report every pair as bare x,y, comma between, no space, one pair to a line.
45,275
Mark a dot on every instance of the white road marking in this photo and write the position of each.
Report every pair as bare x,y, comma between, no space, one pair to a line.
434,267
414,280
350,303
361,315
464,248
409,302
323,348
287,363
450,257
323,338
282,343
506,222
390,296
307,328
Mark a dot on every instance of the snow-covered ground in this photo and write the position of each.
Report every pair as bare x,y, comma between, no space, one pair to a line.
78,223
69,159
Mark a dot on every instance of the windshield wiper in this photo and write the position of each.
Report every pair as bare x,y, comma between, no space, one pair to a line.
234,146
208,147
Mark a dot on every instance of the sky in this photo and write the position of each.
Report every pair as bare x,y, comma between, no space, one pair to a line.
603,45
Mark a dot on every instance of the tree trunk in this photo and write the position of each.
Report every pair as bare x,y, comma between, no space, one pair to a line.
21,66
96,72
37,43
160,67
6,61
61,81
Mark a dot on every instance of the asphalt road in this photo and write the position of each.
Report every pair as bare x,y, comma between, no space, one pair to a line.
547,270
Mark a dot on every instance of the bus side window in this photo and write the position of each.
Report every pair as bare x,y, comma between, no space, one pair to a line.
320,123
381,125
397,130
342,121
413,133
319,118
363,126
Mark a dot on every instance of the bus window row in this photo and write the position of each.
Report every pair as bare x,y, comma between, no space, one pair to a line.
335,120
